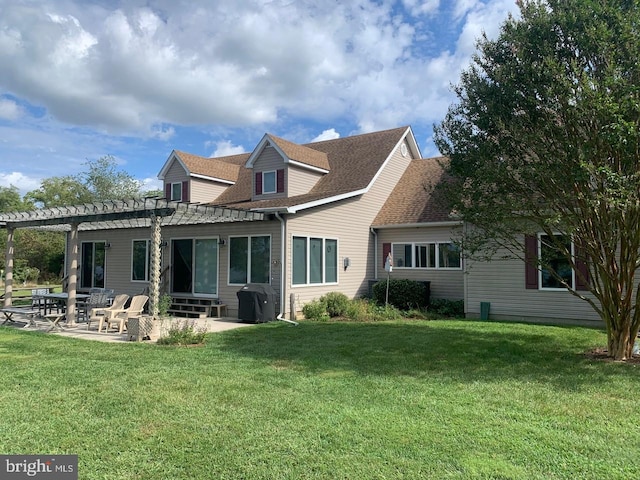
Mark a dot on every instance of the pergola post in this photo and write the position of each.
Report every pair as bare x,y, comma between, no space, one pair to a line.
73,274
154,273
8,268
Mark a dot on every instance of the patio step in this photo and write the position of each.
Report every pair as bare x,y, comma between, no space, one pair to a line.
189,307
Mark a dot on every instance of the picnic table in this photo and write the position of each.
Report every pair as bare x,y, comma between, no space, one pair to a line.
28,312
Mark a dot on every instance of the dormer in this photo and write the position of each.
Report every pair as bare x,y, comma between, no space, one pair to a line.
284,169
191,178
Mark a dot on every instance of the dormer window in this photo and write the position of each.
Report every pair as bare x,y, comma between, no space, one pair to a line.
176,192
269,182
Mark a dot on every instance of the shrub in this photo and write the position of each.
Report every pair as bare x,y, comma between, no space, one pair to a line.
336,303
315,310
403,294
447,308
183,333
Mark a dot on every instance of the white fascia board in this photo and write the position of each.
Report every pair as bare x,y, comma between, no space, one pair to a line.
167,164
304,165
324,201
450,223
214,179
413,145
266,140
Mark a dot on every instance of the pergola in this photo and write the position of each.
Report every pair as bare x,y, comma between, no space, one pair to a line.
151,213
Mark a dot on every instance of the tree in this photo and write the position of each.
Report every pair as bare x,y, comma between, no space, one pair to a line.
60,191
106,182
545,138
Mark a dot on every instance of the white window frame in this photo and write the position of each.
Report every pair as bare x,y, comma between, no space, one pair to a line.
414,259
176,198
248,237
541,268
264,181
146,261
308,239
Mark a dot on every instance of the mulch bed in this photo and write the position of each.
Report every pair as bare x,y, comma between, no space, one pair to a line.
603,355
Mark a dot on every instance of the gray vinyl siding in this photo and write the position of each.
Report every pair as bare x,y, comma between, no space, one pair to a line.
205,191
300,180
349,222
118,257
269,160
501,282
447,284
175,174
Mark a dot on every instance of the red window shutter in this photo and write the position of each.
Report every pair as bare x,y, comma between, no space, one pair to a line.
280,181
386,250
582,273
259,183
531,261
185,191
167,191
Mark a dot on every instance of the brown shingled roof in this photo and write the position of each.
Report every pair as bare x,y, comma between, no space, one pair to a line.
224,168
413,199
353,162
302,154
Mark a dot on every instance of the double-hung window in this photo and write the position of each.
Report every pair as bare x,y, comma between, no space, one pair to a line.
249,259
140,261
269,182
176,192
438,255
553,259
315,260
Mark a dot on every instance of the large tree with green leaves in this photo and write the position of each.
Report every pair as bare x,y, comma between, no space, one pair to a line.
545,138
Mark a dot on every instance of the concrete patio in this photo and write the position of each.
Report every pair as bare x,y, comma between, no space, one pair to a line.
79,330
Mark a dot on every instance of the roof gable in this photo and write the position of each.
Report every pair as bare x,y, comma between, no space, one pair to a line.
222,169
293,153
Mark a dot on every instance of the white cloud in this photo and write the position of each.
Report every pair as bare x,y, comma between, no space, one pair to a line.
10,110
225,148
23,183
329,134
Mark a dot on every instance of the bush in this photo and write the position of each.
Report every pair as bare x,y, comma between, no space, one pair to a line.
315,310
336,303
447,308
183,333
403,294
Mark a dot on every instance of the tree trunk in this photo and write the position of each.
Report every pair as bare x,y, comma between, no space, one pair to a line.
620,343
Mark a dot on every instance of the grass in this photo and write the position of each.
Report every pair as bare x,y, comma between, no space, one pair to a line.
407,399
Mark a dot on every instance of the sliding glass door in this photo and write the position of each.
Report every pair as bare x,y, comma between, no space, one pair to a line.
194,266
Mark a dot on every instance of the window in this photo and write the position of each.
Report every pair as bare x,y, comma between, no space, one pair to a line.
140,260
93,262
315,260
176,192
249,260
269,182
194,265
444,255
553,259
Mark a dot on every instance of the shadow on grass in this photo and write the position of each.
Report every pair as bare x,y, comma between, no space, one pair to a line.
456,351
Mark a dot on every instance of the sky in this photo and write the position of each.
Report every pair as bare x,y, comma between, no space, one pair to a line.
136,79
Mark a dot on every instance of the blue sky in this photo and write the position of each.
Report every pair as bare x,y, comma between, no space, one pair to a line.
136,79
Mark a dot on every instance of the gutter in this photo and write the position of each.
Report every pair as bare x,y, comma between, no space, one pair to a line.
282,270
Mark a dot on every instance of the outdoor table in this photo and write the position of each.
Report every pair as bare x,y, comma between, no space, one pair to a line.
63,297
9,311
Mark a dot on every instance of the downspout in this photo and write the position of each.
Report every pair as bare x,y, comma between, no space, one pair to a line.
375,252
282,270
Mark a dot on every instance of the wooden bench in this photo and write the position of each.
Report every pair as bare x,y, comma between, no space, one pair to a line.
28,312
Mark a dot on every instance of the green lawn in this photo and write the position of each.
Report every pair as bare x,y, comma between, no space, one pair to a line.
434,400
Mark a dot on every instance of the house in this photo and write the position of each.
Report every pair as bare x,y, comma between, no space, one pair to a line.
307,219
